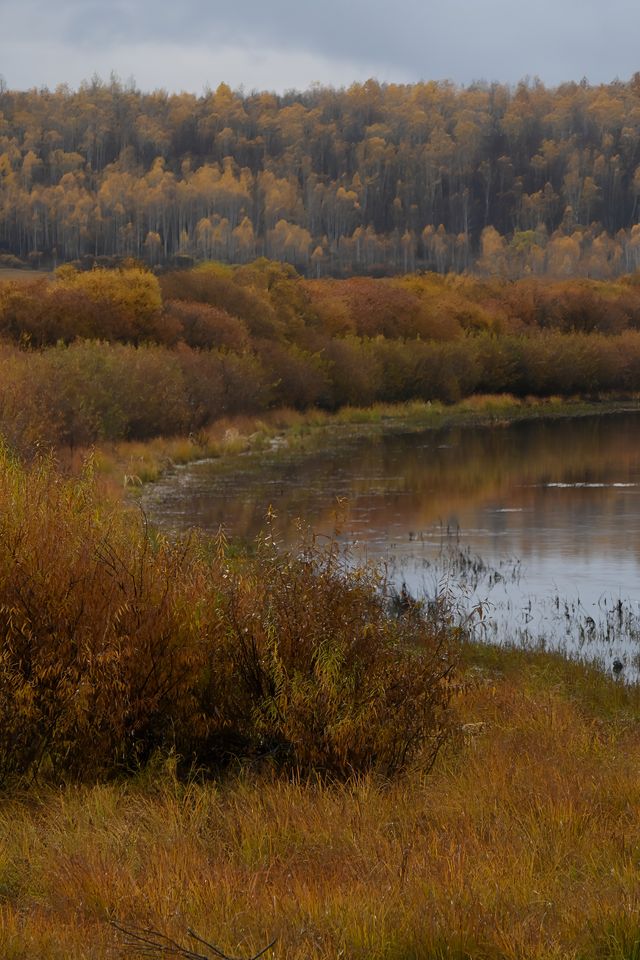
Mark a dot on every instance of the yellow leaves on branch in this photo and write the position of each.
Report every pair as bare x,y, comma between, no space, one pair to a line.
132,290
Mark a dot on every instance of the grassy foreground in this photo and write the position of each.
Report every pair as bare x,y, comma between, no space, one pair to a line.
523,841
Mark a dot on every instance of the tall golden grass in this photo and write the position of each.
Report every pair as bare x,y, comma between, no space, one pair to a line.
191,738
522,843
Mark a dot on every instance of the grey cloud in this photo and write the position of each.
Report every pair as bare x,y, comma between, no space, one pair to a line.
499,39
410,39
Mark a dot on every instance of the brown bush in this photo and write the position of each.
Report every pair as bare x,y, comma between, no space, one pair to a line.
216,285
355,372
116,644
298,378
427,370
201,325
75,395
122,305
334,682
386,308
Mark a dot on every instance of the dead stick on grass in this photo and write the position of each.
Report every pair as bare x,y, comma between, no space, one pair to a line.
152,943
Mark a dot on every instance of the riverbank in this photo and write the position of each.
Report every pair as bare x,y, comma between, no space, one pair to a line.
521,842
522,839
130,465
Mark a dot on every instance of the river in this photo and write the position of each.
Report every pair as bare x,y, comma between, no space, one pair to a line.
538,522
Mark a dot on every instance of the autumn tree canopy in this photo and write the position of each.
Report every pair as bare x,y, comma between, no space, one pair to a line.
376,178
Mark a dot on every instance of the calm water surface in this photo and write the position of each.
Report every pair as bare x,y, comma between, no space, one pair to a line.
539,521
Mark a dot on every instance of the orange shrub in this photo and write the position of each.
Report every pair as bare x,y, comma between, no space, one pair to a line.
23,312
75,395
355,372
218,384
330,307
117,644
215,284
386,308
201,325
444,371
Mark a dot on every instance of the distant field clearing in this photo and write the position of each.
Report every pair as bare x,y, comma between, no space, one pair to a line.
10,273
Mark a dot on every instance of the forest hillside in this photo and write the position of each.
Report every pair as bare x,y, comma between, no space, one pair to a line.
373,179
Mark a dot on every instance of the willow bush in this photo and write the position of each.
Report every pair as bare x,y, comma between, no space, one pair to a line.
117,644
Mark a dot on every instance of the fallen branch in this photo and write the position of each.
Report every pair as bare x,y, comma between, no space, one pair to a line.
153,943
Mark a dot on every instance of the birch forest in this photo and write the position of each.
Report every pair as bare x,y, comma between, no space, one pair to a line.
374,179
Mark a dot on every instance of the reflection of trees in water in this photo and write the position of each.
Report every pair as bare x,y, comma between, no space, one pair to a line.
404,486
408,496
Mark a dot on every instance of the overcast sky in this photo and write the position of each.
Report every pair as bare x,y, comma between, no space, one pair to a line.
284,44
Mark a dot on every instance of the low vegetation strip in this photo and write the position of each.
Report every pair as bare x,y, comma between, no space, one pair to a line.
107,356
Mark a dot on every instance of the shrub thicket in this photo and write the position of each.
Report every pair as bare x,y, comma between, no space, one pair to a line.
117,644
89,391
98,355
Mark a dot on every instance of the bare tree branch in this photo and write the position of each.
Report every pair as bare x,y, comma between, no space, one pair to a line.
153,943
219,953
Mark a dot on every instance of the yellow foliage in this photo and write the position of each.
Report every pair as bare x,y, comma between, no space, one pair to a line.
133,290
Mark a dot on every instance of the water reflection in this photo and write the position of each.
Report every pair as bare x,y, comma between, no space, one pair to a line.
558,500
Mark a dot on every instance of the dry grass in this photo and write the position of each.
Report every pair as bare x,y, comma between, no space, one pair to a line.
14,273
522,843
131,463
